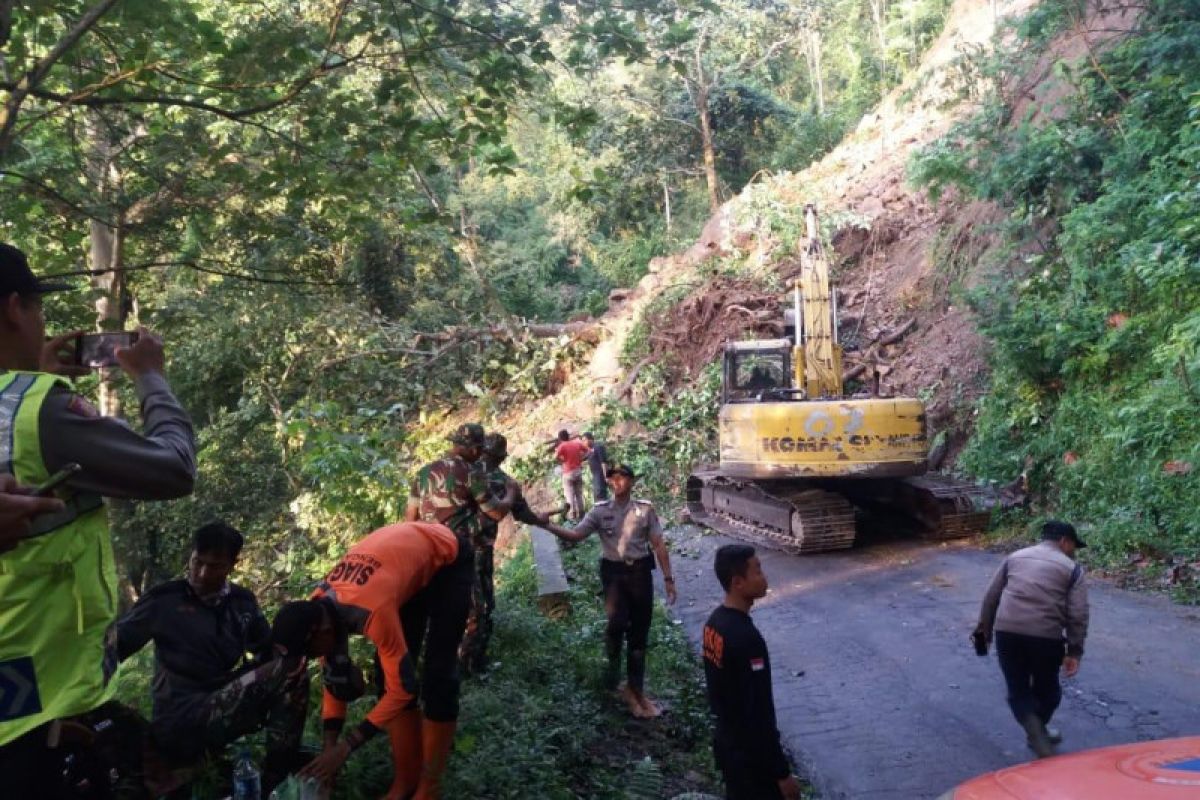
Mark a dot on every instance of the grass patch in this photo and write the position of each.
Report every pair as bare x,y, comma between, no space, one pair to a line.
541,724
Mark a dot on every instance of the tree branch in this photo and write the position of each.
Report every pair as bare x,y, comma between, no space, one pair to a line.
8,116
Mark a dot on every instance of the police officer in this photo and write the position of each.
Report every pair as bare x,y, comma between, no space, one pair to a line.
473,653
58,588
1037,606
630,540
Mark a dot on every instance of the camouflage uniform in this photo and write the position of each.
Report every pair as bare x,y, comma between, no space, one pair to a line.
473,652
451,491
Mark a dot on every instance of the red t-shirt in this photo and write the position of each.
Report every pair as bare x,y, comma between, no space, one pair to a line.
571,453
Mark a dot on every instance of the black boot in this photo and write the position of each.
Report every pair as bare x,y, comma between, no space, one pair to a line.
1039,739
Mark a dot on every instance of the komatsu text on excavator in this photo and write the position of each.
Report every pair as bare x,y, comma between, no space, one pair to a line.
797,455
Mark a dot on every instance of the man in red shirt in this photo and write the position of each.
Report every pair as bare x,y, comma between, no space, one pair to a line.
570,454
402,586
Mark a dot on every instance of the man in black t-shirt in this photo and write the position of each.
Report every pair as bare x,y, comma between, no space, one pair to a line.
597,458
737,671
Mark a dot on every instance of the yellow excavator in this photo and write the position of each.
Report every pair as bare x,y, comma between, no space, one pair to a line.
798,456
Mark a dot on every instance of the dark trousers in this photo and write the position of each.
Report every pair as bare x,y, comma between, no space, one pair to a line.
599,485
98,757
628,605
434,620
473,653
744,780
1030,665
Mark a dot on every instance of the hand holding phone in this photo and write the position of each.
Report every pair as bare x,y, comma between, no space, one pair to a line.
17,508
58,355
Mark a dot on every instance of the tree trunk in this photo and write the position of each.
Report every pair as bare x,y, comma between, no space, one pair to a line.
107,253
815,68
878,10
667,204
710,151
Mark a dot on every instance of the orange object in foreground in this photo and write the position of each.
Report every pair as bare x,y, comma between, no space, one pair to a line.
1167,769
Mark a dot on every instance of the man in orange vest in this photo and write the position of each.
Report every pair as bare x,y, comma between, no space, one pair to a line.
402,586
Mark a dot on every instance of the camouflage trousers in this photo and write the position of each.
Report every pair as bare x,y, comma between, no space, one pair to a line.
271,697
472,654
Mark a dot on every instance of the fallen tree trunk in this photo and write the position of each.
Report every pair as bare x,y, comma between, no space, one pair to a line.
588,331
627,384
896,334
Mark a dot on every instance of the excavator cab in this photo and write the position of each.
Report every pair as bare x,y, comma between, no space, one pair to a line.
758,370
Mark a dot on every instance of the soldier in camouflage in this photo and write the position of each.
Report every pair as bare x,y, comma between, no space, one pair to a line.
453,490
473,652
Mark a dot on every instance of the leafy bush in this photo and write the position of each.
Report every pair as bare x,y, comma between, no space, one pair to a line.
1096,330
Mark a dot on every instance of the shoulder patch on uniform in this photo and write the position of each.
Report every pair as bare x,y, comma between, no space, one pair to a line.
80,407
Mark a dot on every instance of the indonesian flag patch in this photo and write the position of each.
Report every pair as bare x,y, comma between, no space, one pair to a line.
757,664
77,405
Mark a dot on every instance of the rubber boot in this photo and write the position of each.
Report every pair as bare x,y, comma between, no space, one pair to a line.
404,733
437,739
1039,740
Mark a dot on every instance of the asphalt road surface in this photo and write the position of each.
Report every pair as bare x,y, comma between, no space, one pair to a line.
879,693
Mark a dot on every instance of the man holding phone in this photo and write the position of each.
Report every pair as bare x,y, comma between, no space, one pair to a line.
58,585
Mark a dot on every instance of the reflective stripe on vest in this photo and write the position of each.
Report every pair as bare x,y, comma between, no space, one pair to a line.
58,591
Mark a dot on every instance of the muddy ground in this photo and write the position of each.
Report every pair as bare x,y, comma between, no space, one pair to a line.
879,693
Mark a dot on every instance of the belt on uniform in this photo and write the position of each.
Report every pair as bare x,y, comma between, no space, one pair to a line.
630,562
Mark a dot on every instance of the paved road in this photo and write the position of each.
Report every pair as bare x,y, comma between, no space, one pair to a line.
879,694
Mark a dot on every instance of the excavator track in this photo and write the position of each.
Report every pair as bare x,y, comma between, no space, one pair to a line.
803,517
783,516
961,509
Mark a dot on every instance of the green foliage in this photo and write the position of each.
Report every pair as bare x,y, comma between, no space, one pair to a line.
571,737
1096,330
673,432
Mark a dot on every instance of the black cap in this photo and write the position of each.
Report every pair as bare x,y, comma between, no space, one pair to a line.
622,469
495,445
16,277
1055,530
469,434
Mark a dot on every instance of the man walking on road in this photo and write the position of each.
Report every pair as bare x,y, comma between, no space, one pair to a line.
570,454
737,671
1036,596
597,457
629,533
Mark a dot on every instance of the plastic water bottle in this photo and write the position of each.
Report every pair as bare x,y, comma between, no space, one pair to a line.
246,782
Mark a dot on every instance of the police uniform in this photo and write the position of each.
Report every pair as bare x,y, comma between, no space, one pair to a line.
58,590
626,567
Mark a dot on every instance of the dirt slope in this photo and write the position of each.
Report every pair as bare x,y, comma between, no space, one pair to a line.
889,241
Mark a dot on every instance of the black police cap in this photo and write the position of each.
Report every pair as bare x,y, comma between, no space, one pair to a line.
17,278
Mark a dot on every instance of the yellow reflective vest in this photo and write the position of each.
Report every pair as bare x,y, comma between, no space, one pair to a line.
58,589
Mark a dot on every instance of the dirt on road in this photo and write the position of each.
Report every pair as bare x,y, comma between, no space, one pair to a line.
879,693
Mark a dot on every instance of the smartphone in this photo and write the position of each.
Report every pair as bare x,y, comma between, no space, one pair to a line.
57,479
980,642
100,349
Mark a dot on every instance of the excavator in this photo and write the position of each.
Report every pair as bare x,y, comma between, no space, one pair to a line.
798,456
